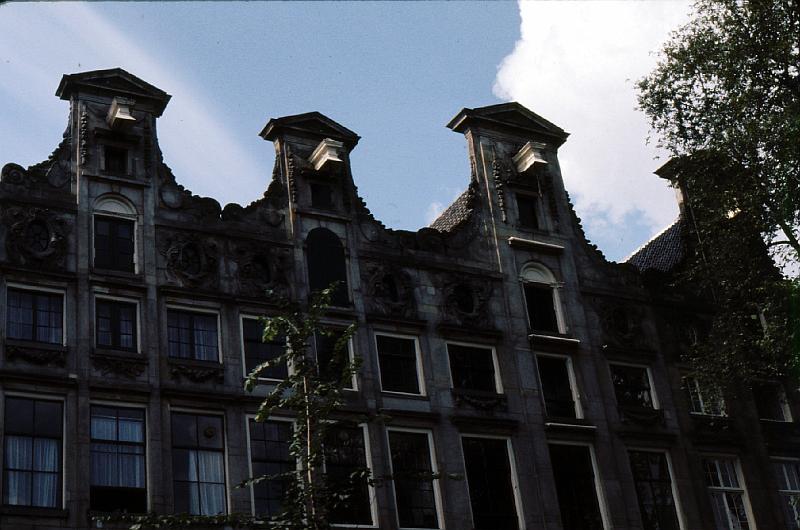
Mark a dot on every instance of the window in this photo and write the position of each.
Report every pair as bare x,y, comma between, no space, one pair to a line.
632,386
541,299
198,468
490,483
771,402
115,324
728,496
116,160
653,483
415,489
527,209
331,367
787,473
399,362
32,452
321,196
35,316
326,264
269,455
345,456
473,368
555,375
114,243
576,487
256,351
118,462
704,400
192,335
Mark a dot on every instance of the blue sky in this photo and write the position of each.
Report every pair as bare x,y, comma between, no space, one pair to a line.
393,72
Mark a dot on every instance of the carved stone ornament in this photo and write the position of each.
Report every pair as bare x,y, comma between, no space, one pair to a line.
128,367
466,302
263,271
36,237
503,173
52,173
38,356
196,373
192,261
647,417
479,400
15,175
390,291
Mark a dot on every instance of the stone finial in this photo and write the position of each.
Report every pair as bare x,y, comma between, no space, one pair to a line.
119,113
529,157
326,154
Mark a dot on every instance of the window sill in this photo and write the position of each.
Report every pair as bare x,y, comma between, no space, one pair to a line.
404,395
39,353
118,273
34,511
535,245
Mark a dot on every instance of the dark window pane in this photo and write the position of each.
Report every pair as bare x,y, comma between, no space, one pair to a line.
321,196
541,308
47,417
116,160
34,316
113,243
256,351
192,335
331,364
116,324
770,401
269,444
326,264
19,416
632,386
575,486
654,490
491,492
198,464
345,454
556,388
472,368
413,480
526,208
398,364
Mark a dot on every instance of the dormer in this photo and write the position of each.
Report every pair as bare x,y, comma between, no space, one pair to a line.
509,120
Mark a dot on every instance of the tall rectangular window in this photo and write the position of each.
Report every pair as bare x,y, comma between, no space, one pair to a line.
654,490
771,402
118,460
32,452
113,243
192,335
256,351
490,483
576,487
35,316
116,160
115,324
703,400
414,485
472,368
269,455
554,374
727,493
399,362
787,474
331,367
632,386
198,464
345,454
526,211
541,307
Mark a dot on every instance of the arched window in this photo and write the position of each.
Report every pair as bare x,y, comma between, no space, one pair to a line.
541,299
114,234
326,264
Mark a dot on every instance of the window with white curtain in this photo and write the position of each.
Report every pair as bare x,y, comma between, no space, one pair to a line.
198,464
192,335
727,493
32,452
35,316
118,460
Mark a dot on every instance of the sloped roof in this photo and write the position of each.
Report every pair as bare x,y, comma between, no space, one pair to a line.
455,214
664,251
113,81
510,115
315,123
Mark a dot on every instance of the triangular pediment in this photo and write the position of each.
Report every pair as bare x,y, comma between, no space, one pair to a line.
313,123
113,82
507,116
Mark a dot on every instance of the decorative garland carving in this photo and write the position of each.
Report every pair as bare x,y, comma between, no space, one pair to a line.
192,261
84,137
389,290
479,400
196,373
466,302
263,272
36,237
503,174
118,365
37,356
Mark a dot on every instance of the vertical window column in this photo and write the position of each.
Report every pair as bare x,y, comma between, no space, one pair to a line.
787,474
399,362
490,483
654,490
198,468
269,455
576,487
727,493
415,488
345,453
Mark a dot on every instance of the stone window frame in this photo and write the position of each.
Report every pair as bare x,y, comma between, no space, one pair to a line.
139,321
351,352
20,286
784,492
348,280
786,409
63,461
682,524
247,418
373,501
189,308
129,405
536,273
225,450
692,384
418,353
602,501
512,462
251,316
498,380
573,381
437,492
541,222
120,207
739,477
655,402
120,146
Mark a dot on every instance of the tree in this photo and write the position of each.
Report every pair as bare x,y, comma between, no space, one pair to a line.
724,99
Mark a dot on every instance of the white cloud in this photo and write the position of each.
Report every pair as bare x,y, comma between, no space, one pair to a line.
576,64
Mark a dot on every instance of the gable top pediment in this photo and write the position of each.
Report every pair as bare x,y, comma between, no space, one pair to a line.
310,123
511,117
113,82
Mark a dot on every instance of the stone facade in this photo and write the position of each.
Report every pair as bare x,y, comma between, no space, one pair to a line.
508,247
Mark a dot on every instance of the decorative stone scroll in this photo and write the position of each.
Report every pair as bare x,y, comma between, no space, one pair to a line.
38,356
118,365
196,373
263,271
466,302
36,237
390,291
192,261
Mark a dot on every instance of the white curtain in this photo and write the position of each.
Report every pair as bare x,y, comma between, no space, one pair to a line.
206,468
131,430
205,337
103,427
45,459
